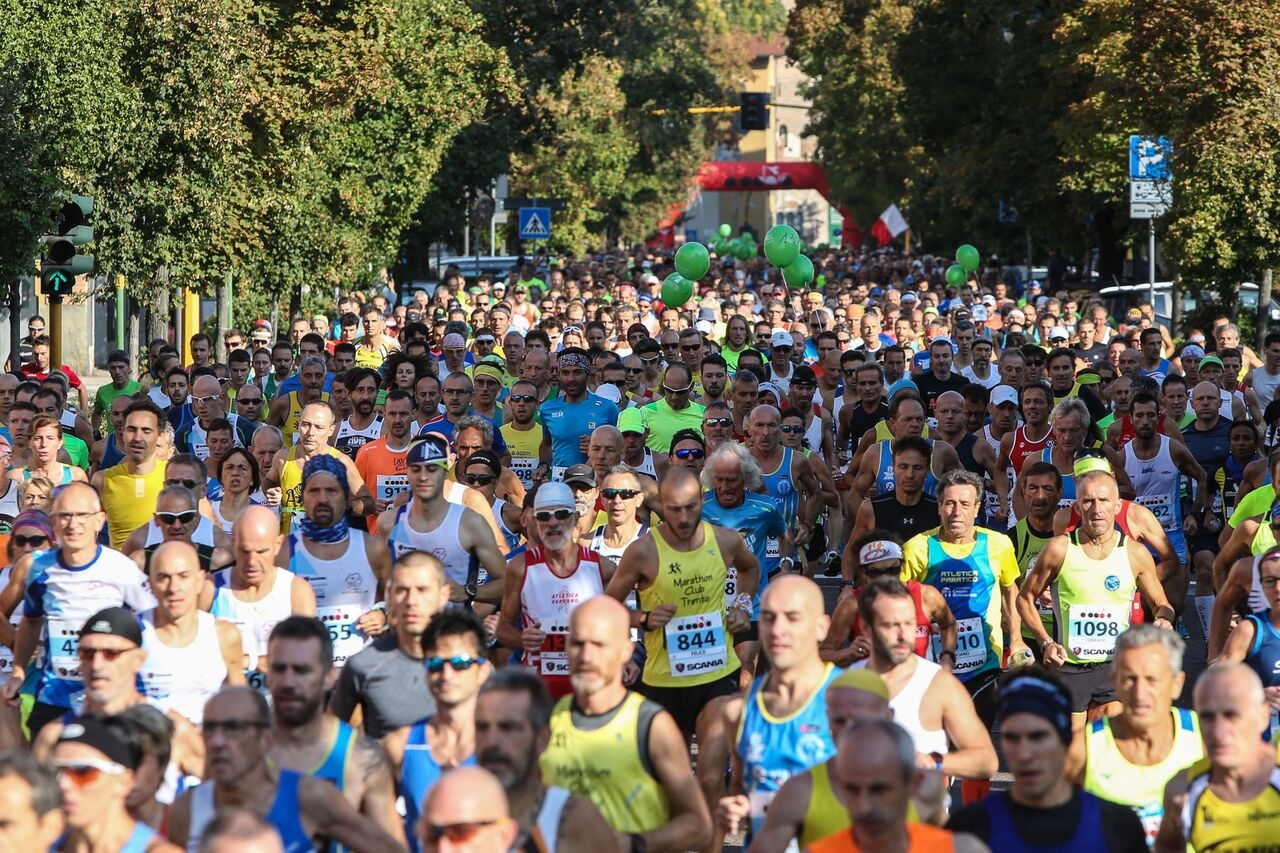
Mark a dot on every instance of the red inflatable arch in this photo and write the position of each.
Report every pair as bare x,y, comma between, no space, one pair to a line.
760,177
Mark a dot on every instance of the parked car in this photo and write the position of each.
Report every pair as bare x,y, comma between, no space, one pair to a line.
1118,298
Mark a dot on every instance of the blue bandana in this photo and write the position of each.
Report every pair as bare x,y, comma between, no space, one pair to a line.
339,530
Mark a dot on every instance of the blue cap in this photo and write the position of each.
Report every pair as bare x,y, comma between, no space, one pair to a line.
429,449
875,291
902,384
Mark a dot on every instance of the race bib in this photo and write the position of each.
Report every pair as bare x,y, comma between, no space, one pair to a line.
773,549
696,644
553,657
1161,507
971,645
256,680
730,585
1092,630
341,621
524,468
64,649
390,485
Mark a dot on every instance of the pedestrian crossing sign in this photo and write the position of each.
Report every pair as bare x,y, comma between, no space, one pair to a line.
535,223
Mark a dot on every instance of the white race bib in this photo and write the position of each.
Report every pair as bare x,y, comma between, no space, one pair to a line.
64,648
1092,630
390,485
696,644
1161,507
971,645
553,657
341,620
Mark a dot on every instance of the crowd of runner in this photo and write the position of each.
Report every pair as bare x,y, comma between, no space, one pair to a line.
542,564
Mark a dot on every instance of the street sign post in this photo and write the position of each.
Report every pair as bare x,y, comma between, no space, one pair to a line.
535,223
1150,190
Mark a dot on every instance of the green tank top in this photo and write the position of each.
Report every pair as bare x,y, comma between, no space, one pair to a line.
1263,539
693,648
1027,545
1093,601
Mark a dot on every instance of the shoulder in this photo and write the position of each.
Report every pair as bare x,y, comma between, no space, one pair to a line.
971,819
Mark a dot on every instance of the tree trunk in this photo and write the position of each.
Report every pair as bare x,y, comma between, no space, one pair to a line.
1264,307
159,322
15,321
1110,252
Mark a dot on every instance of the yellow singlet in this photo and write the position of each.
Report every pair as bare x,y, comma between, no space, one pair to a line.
129,499
1209,823
295,413
291,487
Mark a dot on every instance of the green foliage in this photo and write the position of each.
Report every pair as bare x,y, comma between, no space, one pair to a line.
27,180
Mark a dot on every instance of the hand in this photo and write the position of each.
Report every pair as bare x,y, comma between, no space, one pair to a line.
630,673
660,616
1017,649
372,622
12,688
491,626
738,621
924,761
846,592
1273,697
273,496
1054,654
802,533
381,504
731,812
861,647
1163,623
1000,521
531,638
1189,525
584,442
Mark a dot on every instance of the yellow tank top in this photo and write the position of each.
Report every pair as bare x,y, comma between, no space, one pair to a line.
605,765
1092,601
129,499
693,647
826,815
291,488
883,434
1109,775
523,445
295,413
1209,823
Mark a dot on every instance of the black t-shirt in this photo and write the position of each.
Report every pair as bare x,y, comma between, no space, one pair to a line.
931,387
860,421
1047,828
906,521
1091,355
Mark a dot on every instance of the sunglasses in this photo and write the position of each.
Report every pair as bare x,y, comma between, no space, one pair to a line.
634,370
30,541
649,360
86,771
204,401
667,389
109,655
190,484
791,429
249,401
480,479
558,515
691,453
522,398
717,422
182,517
457,833
458,663
853,372
625,494
231,728
882,571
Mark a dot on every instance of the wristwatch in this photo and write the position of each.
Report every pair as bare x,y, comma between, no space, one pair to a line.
472,591
638,844
847,582
937,760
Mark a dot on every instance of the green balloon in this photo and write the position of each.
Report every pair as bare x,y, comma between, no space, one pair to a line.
693,261
967,256
676,290
725,230
721,247
799,272
956,275
782,245
747,250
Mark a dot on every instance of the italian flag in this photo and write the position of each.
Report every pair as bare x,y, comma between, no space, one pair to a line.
889,225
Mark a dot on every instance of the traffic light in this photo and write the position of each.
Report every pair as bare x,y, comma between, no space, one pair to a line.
62,263
753,111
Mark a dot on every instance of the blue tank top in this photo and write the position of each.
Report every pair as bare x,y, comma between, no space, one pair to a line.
1264,654
139,839
1003,836
760,524
111,455
778,486
418,772
1068,480
775,749
286,813
885,478
334,767
970,588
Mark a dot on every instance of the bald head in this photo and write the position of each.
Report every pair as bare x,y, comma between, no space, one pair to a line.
471,795
764,413
603,612
206,386
1229,679
953,397
238,703
174,556
793,593
606,432
78,497
678,484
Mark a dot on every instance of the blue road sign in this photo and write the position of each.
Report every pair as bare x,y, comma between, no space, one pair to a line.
1149,158
535,223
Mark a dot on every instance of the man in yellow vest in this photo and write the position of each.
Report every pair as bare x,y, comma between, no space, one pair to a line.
598,734
129,489
283,483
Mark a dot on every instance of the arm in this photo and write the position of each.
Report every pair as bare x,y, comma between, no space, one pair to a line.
635,571
474,535
231,645
379,558
1036,581
833,648
1144,572
509,631
939,613
1239,643
972,756
279,413
863,522
379,801
475,502
1237,548
784,818
179,827
1186,462
302,598
828,450
689,824
326,812
582,827
986,457
1233,591
1169,839
1012,618
1122,479
362,502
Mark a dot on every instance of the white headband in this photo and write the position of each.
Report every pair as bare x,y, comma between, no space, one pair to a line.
881,549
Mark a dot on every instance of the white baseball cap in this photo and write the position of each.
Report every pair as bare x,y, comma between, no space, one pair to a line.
1004,394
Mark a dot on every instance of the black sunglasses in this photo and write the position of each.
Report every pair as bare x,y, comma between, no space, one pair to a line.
791,429
690,453
625,494
190,484
718,422
558,515
480,479
184,517
522,398
30,541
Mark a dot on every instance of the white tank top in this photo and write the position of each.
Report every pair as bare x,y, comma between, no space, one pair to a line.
349,439
906,707
6,653
548,822
548,600
255,619
183,678
1257,600
203,534
442,542
813,432
647,467
1157,482
345,589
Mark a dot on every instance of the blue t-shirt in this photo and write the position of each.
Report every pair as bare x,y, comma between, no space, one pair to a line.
444,426
294,383
566,422
759,522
